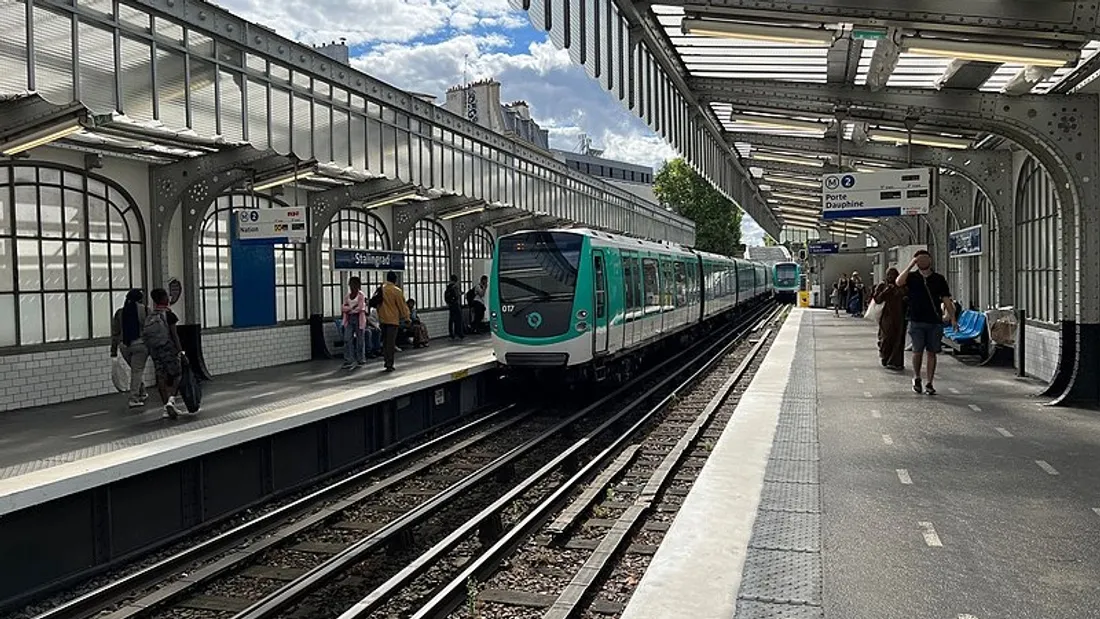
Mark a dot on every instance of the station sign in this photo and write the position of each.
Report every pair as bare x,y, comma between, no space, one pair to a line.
965,243
344,259
272,225
820,248
889,193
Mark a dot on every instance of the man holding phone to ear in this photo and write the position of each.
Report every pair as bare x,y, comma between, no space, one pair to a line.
928,292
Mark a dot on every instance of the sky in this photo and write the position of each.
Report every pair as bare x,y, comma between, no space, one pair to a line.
427,46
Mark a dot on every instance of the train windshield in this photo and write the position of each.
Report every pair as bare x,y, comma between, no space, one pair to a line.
786,274
538,266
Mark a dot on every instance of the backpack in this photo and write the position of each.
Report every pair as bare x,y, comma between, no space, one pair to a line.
155,331
376,299
471,296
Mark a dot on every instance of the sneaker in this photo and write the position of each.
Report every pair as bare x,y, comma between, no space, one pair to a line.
929,389
347,366
916,385
135,403
170,411
361,363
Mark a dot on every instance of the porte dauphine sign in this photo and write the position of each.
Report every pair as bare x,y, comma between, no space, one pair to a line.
347,259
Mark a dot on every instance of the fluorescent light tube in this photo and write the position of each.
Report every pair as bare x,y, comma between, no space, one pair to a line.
41,137
390,200
779,123
900,137
795,196
283,180
780,180
988,52
754,32
462,212
816,163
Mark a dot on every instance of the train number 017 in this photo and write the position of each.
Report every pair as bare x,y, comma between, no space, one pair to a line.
505,309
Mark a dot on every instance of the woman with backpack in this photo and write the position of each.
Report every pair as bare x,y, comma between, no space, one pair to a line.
165,350
126,336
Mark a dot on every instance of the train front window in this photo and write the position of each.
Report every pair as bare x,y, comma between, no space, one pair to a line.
538,266
786,274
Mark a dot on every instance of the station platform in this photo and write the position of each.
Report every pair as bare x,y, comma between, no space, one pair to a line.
69,472
837,492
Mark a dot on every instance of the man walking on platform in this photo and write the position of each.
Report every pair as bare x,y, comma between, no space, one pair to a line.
392,310
930,306
453,297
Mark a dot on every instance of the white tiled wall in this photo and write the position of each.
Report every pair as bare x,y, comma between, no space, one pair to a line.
1042,347
235,351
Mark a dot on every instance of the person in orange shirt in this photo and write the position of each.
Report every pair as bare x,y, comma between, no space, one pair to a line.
392,310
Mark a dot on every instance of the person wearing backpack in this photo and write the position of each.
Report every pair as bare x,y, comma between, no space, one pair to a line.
126,327
453,297
165,350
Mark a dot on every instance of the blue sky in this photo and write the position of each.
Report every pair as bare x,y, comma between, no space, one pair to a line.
425,46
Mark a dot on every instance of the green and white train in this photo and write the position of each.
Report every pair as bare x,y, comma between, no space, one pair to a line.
593,303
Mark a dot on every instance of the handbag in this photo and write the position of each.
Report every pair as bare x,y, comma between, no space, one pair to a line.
874,312
120,374
189,388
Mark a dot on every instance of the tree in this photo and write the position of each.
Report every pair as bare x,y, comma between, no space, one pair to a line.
717,219
769,241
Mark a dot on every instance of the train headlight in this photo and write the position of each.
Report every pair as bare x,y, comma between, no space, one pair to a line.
582,327
582,314
493,314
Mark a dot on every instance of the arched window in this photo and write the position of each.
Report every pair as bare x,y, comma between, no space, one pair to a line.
71,246
427,264
476,251
352,229
1038,244
215,271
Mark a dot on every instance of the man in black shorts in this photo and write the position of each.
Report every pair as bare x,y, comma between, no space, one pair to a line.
928,292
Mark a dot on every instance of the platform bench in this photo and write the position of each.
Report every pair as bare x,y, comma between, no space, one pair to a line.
971,335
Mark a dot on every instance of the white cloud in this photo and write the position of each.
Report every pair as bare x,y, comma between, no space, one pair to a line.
371,21
751,232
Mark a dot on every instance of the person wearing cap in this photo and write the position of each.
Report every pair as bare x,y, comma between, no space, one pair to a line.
126,332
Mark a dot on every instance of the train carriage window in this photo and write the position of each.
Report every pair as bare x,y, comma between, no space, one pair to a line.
652,286
668,284
636,282
680,283
628,287
601,288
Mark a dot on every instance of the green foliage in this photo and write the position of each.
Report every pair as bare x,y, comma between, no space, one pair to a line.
717,220
769,241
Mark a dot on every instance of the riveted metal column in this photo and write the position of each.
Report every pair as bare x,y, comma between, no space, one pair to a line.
406,216
937,229
192,185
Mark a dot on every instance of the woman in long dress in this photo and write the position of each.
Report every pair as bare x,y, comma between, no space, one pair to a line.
891,326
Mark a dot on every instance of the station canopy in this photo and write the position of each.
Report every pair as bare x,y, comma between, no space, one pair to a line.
727,42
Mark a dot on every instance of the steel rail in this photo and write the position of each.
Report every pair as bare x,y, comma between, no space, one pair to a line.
93,601
276,603
448,596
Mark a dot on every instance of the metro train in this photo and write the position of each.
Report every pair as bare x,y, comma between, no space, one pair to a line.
590,304
786,280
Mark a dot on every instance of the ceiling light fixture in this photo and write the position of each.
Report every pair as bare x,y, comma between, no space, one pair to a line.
901,138
779,123
795,196
782,180
462,212
386,201
815,163
754,32
987,52
41,137
283,180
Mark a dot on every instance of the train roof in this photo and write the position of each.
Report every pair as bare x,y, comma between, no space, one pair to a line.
628,242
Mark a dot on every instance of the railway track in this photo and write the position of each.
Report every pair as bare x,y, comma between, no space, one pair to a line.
357,532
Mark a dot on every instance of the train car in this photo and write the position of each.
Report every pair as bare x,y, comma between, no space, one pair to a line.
786,280
589,303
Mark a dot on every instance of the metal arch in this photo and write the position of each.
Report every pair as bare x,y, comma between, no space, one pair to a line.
406,216
989,170
462,228
887,238
324,205
1050,20
1060,131
539,222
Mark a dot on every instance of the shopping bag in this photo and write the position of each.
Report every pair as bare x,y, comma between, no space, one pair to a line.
190,390
120,373
874,312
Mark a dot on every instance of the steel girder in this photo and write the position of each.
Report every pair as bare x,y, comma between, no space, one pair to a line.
323,206
1060,131
192,185
538,222
622,45
843,60
406,216
1071,20
989,170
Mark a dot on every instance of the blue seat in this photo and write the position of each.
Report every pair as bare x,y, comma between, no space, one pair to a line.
971,326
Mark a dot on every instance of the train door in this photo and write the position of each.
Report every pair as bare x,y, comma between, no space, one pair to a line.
600,319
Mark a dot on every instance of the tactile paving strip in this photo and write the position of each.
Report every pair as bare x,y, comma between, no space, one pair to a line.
782,576
751,609
786,531
792,471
